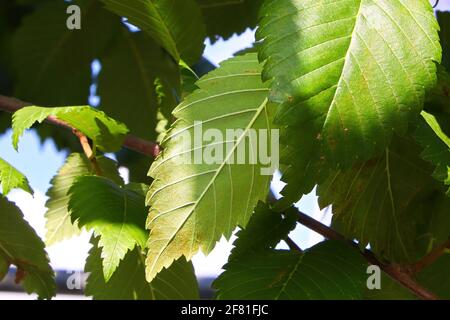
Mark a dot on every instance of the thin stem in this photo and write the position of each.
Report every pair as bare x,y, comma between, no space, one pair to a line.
90,154
292,245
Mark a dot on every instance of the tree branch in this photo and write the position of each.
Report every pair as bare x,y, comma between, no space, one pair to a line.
148,148
90,154
292,245
394,271
431,257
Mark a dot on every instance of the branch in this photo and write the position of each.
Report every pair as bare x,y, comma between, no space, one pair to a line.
90,154
292,245
148,148
431,257
397,273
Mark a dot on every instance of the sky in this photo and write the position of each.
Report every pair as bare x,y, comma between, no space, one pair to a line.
39,162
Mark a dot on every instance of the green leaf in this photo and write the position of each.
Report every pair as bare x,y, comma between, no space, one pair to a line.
438,99
351,69
58,71
432,221
302,165
11,178
264,231
128,282
128,79
224,18
106,133
176,25
443,17
59,225
116,214
436,277
188,211
390,290
436,143
386,202
329,270
434,124
20,246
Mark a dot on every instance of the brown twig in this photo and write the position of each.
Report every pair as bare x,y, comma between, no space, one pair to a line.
148,148
90,154
292,245
396,272
431,257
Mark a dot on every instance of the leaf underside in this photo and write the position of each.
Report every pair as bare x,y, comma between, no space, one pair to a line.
24,249
128,282
58,221
436,143
11,178
106,133
176,25
329,270
188,208
386,201
116,214
52,62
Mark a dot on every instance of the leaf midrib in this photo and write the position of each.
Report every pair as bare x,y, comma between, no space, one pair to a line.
341,77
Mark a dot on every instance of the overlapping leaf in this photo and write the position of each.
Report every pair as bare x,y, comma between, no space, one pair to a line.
224,18
436,277
59,224
431,136
386,202
106,133
329,270
432,221
349,71
176,25
128,79
438,100
11,178
303,166
53,62
264,231
128,282
443,17
390,290
188,209
20,246
116,215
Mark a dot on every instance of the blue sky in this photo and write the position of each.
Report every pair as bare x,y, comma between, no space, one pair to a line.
41,161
